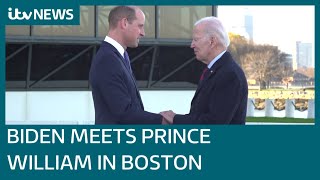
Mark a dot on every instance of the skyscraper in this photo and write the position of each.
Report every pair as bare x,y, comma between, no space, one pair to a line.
304,54
248,24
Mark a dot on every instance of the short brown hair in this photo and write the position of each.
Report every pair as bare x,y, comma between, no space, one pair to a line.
120,12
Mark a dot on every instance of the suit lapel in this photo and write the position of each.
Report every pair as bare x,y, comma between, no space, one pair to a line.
212,71
132,78
121,59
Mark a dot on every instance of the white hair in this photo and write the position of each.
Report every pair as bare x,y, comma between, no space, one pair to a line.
213,26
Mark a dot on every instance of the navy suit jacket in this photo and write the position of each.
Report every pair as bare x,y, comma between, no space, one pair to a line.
221,97
114,90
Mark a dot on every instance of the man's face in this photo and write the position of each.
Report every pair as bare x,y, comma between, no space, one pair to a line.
201,44
135,29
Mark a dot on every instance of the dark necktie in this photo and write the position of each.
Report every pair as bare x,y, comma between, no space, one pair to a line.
127,61
204,73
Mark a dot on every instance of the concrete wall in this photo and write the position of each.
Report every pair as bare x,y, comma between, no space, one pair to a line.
67,107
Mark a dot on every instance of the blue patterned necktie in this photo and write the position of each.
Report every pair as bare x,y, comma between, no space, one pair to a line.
127,61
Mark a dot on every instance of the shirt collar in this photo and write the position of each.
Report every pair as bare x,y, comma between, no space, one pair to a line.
115,44
216,59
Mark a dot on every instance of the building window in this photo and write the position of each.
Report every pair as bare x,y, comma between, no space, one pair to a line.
16,65
177,21
17,30
85,29
103,25
176,67
60,66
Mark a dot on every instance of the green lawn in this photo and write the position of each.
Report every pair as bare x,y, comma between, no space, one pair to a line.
279,120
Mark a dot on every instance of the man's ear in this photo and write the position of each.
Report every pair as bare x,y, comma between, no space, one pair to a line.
123,23
213,41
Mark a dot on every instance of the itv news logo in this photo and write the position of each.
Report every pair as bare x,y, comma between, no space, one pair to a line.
15,14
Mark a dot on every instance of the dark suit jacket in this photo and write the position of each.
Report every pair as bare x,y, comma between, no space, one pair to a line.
114,90
221,98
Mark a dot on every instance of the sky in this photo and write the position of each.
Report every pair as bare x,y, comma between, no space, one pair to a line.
276,25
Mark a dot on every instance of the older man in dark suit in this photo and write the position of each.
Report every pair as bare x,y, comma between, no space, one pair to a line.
116,97
221,96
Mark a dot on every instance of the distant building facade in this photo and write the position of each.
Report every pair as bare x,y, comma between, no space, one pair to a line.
304,54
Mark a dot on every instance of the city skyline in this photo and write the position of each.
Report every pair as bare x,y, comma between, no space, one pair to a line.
285,26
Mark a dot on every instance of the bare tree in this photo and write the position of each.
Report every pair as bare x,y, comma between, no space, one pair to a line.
260,62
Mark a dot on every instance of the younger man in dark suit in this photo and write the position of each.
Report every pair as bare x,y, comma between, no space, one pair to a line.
116,97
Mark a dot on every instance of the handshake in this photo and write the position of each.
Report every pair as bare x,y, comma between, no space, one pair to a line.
167,117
